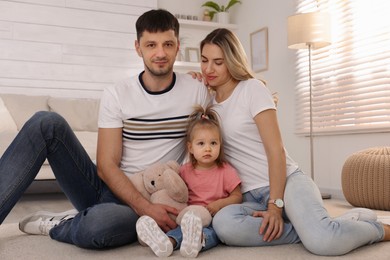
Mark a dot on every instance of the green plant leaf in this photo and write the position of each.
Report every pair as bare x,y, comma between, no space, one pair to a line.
212,5
231,3
212,13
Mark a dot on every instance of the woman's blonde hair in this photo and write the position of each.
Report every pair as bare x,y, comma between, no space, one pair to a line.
235,57
204,118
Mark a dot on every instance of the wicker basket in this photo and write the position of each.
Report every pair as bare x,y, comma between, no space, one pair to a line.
366,178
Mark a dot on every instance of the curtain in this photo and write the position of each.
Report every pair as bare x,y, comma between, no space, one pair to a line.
350,77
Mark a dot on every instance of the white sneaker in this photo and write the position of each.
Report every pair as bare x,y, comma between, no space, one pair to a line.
361,214
192,229
151,234
41,222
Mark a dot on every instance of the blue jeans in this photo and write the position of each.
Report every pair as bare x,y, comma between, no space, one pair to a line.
306,220
103,221
209,235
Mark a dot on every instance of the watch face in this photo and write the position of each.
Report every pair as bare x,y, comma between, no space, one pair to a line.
279,203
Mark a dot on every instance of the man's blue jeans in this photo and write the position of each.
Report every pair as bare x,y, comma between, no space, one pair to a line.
103,221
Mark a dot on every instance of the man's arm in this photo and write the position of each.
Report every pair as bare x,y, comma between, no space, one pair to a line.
109,155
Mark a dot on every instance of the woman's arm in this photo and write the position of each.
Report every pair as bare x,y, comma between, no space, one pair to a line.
267,124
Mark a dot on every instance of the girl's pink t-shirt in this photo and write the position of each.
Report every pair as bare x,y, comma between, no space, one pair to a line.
205,186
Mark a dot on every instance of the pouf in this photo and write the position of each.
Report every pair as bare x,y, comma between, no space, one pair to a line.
366,178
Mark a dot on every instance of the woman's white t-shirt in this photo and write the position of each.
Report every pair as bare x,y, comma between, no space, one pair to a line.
244,148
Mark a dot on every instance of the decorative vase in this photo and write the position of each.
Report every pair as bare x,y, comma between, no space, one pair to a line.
222,17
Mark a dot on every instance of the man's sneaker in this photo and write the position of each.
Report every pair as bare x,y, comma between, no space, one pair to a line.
192,229
41,222
361,214
151,234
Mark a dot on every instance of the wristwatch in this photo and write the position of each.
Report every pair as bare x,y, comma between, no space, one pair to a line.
278,203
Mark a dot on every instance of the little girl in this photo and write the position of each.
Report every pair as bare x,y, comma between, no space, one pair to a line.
211,182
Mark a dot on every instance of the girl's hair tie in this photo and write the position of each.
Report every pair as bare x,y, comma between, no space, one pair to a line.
203,116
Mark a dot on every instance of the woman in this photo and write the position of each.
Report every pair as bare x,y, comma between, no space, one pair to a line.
281,204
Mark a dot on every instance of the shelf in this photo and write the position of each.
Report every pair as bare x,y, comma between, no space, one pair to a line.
185,65
206,25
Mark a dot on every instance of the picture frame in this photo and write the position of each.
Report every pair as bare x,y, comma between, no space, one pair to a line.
192,54
259,49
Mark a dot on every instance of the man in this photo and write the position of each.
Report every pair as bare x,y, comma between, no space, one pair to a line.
142,120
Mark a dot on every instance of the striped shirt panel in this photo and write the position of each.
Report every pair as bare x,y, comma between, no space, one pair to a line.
151,129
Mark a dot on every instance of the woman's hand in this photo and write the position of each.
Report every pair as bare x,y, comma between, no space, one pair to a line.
196,75
272,225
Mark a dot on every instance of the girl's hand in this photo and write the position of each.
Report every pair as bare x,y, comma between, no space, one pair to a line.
272,225
213,208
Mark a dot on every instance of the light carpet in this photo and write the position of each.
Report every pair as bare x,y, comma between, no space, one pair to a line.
17,245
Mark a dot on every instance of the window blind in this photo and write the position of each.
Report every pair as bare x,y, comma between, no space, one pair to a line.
350,77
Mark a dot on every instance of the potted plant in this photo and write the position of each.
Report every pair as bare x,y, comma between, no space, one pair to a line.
220,10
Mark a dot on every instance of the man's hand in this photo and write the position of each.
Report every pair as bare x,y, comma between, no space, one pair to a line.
272,225
160,214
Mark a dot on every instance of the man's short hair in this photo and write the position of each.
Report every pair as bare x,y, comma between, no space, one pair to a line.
156,20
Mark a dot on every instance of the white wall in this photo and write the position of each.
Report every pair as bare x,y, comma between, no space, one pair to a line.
67,47
330,151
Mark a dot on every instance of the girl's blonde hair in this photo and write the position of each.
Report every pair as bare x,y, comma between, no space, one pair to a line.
204,118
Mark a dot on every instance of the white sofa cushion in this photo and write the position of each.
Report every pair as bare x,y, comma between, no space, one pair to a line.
22,107
89,141
6,139
7,123
81,114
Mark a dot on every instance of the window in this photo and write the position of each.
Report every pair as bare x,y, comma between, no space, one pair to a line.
351,77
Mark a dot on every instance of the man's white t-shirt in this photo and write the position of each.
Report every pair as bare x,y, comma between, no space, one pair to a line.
153,124
244,148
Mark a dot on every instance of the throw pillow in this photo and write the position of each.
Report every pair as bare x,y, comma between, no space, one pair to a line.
7,123
22,107
80,113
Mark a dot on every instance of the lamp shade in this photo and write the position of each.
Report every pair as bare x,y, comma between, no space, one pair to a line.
308,29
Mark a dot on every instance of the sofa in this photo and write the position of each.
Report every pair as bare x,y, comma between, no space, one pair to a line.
80,113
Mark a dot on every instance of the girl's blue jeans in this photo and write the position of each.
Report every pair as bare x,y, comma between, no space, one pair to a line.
306,221
103,221
209,235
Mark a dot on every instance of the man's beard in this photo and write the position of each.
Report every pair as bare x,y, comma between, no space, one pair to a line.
159,72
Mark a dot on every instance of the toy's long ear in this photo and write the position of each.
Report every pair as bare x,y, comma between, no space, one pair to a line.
175,186
174,166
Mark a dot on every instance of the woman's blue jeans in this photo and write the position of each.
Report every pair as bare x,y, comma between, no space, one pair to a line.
103,221
306,221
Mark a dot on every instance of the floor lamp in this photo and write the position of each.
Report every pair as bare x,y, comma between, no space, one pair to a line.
309,31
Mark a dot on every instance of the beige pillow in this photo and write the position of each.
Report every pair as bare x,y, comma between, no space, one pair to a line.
7,123
80,113
22,107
